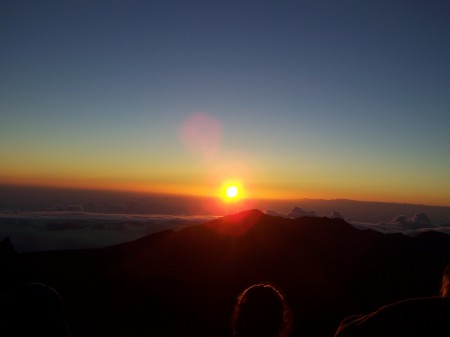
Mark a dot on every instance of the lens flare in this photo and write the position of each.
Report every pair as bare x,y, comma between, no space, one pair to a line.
201,134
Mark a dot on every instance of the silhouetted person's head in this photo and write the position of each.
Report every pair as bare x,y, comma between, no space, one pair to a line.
445,283
261,311
36,310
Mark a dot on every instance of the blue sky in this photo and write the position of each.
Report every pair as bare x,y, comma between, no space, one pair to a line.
314,98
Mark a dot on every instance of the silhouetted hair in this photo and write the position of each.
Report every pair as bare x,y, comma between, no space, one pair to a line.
35,309
445,282
261,310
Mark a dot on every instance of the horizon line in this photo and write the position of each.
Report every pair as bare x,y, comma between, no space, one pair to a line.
187,195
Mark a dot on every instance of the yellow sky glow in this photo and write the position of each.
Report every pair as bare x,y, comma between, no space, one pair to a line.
254,189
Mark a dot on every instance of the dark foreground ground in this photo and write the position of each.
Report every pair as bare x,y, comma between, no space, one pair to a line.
184,283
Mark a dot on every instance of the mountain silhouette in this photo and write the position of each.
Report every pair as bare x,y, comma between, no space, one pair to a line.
184,283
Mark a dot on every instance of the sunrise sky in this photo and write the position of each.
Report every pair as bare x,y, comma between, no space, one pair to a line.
290,99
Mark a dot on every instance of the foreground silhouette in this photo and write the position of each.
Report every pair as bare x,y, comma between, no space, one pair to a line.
417,317
35,309
184,283
261,310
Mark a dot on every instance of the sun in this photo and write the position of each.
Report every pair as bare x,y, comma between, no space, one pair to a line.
232,191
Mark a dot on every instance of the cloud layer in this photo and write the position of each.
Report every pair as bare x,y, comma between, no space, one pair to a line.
36,231
413,225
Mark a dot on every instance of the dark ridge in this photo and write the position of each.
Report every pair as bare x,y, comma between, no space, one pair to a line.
184,283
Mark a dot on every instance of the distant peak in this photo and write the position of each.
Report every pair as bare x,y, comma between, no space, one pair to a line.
246,214
239,223
6,247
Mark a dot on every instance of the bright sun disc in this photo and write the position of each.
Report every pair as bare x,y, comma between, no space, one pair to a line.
232,191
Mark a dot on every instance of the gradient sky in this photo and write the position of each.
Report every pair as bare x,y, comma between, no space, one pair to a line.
316,99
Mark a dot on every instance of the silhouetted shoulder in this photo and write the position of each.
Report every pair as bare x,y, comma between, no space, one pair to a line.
35,309
418,317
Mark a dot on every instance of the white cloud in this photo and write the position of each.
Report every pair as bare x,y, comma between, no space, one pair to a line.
412,226
298,212
273,213
335,215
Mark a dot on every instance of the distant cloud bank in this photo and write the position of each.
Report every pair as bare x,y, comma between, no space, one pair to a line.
50,218
55,230
73,229
414,225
